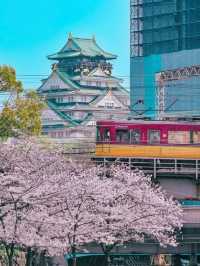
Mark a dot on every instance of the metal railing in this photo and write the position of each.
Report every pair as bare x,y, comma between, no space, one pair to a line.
157,166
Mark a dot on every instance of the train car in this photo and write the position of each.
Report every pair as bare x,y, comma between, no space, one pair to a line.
148,139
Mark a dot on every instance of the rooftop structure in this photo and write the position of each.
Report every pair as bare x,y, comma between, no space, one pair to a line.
76,47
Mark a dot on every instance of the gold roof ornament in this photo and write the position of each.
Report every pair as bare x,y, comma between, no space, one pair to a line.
109,91
94,37
70,36
54,66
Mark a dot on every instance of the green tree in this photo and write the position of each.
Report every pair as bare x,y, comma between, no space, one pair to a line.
7,122
21,113
8,81
27,114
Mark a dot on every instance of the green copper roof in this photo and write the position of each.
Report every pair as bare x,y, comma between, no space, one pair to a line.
66,78
72,121
81,47
61,114
53,126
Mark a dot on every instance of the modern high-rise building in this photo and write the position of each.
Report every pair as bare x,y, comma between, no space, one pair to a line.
165,57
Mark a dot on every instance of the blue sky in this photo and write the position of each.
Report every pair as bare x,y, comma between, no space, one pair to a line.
31,30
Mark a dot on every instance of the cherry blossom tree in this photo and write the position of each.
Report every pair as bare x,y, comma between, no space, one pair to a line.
75,210
51,206
134,209
29,179
115,208
47,202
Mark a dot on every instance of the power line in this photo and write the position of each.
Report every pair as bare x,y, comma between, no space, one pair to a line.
126,76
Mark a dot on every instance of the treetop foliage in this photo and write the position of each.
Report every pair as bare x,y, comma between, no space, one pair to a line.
53,206
21,113
8,81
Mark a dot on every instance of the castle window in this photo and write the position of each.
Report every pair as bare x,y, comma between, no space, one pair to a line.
70,113
60,134
109,105
84,99
70,99
98,83
92,123
54,86
60,100
53,134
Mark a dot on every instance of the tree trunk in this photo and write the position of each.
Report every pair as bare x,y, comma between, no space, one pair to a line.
29,256
176,260
74,260
107,250
49,261
10,260
10,253
42,259
107,259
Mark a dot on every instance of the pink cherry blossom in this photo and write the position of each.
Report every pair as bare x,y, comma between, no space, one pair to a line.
49,204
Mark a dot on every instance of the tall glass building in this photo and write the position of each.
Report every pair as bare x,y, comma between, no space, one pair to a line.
165,57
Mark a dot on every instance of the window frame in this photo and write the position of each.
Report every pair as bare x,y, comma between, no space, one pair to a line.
131,135
123,129
177,137
103,135
149,141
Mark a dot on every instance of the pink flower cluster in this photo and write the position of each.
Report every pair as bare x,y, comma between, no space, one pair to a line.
49,203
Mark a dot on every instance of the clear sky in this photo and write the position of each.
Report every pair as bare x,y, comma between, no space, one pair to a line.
31,30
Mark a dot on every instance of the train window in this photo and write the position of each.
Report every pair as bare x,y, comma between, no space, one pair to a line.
135,136
106,134
98,135
196,137
154,136
122,135
179,137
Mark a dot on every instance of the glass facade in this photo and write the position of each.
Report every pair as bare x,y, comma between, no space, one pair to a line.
165,35
163,26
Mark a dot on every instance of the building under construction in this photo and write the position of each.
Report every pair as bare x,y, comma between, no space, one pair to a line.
165,57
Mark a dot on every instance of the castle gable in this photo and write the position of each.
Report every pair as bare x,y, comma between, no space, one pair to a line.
108,101
98,72
49,116
54,82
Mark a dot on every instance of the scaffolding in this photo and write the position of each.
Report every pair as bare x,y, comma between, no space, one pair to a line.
160,96
167,76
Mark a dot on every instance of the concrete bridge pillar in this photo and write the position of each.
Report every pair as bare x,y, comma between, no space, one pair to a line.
193,257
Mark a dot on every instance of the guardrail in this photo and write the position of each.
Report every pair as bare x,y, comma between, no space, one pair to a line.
157,166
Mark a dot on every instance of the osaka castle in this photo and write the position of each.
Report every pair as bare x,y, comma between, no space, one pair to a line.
81,90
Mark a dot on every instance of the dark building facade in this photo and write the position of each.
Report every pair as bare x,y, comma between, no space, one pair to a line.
165,56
